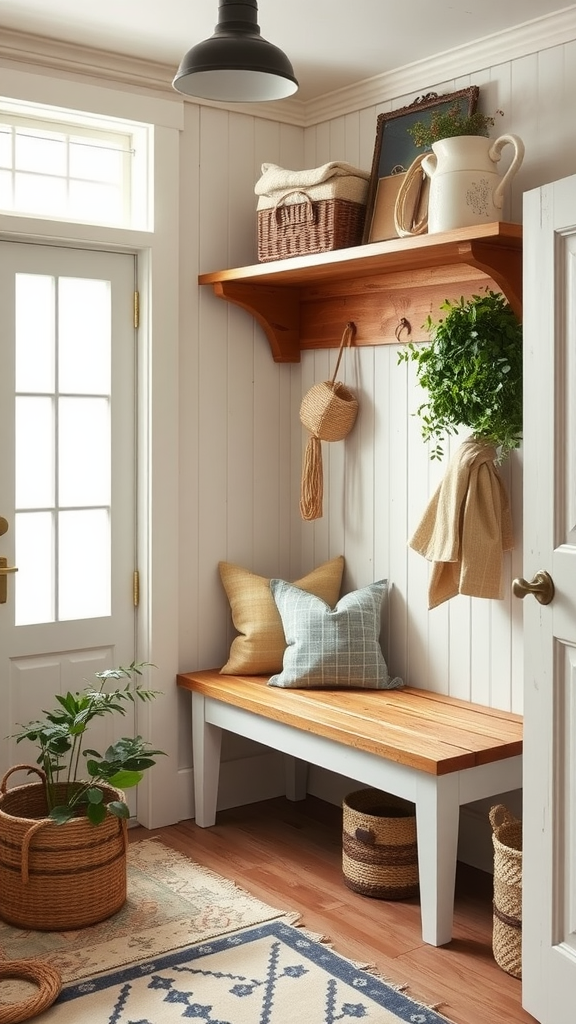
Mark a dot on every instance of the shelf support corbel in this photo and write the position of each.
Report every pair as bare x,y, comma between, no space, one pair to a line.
503,265
277,310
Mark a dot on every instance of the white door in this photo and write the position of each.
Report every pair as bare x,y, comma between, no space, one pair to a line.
549,830
67,469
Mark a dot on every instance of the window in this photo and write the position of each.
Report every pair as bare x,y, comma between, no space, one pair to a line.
66,166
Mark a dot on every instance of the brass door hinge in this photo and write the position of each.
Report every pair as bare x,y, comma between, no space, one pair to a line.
136,310
136,588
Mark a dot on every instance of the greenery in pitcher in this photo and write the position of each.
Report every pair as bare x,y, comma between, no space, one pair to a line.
449,124
60,737
472,371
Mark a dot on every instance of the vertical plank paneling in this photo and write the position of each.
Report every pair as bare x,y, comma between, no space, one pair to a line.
212,373
242,438
393,407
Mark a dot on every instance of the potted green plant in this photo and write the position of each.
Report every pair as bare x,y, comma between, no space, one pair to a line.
451,123
60,737
472,371
63,839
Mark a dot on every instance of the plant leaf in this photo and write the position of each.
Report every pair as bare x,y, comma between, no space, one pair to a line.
96,813
119,809
125,779
62,814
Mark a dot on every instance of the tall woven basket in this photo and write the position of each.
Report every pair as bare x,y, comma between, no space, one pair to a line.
55,877
379,854
507,918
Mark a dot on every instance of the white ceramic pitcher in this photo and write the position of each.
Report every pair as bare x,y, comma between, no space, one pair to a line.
465,187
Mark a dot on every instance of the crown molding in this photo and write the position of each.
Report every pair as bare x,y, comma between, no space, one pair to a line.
45,55
421,76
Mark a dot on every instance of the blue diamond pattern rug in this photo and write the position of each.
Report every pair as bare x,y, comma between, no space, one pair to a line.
268,974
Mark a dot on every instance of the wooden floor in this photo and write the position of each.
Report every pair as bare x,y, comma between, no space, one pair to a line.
289,855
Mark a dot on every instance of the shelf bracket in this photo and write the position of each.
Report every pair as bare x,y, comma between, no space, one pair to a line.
503,265
276,309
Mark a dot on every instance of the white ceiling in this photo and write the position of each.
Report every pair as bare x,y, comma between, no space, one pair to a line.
332,43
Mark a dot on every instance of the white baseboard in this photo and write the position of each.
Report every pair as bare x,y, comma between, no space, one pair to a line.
244,780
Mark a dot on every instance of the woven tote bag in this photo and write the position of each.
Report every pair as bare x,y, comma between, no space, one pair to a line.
507,917
328,411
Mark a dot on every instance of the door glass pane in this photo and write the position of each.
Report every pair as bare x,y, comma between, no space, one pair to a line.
34,452
84,564
84,336
34,590
84,451
35,304
63,447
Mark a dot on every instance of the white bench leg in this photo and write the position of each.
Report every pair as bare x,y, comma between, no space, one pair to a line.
437,819
295,777
206,747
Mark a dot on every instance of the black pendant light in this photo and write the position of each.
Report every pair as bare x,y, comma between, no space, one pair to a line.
236,64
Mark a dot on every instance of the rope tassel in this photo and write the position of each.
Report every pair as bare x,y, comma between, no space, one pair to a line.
312,491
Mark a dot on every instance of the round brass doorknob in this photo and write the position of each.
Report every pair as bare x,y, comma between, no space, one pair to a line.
541,586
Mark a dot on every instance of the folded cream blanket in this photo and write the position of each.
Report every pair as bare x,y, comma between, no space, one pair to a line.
466,527
277,179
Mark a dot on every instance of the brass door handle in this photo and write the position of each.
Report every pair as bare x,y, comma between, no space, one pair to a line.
541,586
5,570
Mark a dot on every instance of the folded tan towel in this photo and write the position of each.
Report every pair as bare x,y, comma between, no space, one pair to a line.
466,527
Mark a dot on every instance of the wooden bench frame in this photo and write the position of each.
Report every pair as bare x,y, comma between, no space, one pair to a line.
436,751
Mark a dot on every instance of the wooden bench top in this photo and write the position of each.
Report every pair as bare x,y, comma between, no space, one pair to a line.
419,728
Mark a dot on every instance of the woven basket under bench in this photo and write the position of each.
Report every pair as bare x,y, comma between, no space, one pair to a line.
379,849
305,212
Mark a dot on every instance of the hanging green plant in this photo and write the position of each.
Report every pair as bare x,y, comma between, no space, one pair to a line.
472,371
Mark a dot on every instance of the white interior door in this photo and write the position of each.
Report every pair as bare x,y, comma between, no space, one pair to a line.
549,831
67,478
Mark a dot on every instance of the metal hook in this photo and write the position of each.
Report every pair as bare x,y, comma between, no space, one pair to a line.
403,324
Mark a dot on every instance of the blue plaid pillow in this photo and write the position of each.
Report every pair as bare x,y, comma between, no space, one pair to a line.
332,647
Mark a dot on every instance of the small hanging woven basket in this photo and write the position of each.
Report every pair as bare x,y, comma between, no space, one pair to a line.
507,918
328,411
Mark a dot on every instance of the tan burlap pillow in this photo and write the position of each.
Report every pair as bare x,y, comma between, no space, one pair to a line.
259,648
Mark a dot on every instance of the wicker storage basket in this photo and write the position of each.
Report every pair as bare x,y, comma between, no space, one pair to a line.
507,919
379,855
57,877
309,226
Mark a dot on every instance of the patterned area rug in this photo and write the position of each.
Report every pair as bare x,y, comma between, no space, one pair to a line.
171,903
269,974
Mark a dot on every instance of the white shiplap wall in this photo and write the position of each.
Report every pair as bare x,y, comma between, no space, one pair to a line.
243,463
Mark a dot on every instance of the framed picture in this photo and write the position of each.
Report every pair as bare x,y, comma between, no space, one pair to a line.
394,152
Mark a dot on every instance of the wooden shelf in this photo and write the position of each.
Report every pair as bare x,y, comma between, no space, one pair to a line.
304,302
